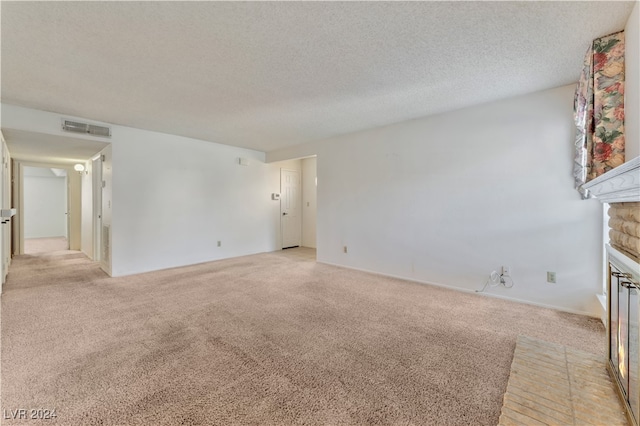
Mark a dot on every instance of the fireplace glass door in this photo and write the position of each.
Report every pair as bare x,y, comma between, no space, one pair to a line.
623,336
613,316
625,349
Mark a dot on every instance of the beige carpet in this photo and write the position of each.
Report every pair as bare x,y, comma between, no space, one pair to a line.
45,245
268,339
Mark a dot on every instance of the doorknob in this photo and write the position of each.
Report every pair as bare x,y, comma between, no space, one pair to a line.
284,214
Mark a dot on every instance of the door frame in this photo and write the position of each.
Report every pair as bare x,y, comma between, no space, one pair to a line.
74,208
96,183
6,198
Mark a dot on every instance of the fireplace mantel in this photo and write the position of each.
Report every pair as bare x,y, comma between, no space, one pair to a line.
619,185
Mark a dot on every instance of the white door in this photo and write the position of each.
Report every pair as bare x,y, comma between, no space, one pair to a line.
290,206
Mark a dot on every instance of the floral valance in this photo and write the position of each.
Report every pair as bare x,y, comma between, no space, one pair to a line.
599,110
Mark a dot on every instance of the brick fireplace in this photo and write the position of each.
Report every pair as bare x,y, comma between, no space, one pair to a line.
620,188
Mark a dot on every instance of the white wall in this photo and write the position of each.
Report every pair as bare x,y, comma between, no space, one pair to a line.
309,202
175,197
45,203
447,199
632,84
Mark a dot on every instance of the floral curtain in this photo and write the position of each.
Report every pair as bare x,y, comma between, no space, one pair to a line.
599,110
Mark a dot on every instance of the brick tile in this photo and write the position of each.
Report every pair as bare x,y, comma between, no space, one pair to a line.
550,384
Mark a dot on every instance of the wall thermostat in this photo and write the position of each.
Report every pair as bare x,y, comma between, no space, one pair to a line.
275,196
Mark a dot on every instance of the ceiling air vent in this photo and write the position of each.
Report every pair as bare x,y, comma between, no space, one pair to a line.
92,129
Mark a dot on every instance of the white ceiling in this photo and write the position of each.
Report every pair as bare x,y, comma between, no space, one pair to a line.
38,147
268,75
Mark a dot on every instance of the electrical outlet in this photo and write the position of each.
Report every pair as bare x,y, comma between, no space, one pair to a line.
344,249
506,271
551,277
219,243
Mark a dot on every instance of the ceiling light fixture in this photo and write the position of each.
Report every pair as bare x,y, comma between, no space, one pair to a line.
78,168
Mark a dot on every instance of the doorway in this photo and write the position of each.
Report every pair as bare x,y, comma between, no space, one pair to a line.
298,204
46,209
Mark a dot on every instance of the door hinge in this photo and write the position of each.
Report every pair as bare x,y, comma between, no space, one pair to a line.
103,157
104,183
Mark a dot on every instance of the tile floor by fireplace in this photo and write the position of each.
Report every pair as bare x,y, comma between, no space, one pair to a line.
551,384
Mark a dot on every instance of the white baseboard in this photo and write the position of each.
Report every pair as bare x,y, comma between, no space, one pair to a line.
466,290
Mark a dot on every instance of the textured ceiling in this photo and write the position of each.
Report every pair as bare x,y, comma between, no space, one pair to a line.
273,74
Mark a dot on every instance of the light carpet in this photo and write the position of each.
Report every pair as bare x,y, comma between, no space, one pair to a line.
267,339
45,245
